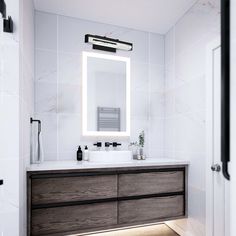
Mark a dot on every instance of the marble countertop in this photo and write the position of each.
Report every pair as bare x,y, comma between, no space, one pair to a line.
72,165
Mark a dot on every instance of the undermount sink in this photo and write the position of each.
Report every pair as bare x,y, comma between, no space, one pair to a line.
110,156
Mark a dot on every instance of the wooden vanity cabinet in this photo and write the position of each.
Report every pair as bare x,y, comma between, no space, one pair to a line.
75,201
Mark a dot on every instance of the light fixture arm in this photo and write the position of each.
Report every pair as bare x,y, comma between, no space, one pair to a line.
7,21
3,8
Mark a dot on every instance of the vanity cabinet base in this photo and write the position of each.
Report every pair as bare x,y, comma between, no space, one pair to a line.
110,204
71,218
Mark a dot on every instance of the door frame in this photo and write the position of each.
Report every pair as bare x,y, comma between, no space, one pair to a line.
209,135
209,143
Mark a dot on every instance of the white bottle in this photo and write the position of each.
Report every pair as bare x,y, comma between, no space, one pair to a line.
86,154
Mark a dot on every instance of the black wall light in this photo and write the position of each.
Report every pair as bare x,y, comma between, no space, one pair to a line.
7,21
107,44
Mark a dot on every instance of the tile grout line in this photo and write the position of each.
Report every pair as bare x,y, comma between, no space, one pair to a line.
57,116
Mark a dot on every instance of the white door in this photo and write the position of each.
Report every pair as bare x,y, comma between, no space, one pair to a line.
217,197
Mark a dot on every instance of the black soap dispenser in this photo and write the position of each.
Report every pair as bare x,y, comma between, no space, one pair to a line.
79,154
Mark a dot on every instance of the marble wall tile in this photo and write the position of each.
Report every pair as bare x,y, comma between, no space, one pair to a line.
69,68
139,104
69,133
156,78
46,33
27,87
169,135
191,96
170,77
58,78
157,46
157,103
202,19
69,98
189,134
45,66
156,130
139,76
45,97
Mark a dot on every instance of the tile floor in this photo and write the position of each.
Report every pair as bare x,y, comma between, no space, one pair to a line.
154,230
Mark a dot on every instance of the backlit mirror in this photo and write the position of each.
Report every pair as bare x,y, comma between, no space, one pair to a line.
106,95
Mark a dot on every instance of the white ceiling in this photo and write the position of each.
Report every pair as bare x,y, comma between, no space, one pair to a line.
148,15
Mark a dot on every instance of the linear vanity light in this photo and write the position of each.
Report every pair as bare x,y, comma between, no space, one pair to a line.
85,131
107,44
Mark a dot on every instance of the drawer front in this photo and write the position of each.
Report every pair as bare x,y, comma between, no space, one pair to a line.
73,218
150,209
66,189
150,183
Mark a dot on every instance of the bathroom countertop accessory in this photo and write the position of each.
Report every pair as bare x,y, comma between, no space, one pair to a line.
107,145
98,145
39,148
115,145
79,154
86,154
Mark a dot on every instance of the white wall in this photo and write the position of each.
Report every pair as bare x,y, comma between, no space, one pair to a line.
16,105
58,48
9,125
185,101
26,98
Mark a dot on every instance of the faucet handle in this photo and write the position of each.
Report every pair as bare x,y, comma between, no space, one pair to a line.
98,144
107,144
115,144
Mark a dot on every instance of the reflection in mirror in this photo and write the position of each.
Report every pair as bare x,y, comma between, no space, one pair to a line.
106,92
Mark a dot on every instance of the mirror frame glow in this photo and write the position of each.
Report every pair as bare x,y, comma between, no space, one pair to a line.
85,132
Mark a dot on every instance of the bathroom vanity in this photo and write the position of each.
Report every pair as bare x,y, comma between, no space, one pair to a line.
70,197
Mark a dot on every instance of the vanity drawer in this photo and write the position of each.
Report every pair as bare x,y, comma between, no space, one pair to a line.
66,189
73,218
150,209
150,183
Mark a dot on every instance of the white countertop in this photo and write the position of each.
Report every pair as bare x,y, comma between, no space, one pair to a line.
70,165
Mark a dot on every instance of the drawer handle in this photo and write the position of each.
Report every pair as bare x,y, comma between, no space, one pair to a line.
1,181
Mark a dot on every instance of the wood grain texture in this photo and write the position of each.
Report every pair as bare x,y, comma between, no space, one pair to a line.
66,219
143,210
29,198
150,183
54,190
63,187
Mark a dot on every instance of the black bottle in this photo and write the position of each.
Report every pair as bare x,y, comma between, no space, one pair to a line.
79,154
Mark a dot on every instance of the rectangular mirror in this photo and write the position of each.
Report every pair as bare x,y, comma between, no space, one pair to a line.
106,95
